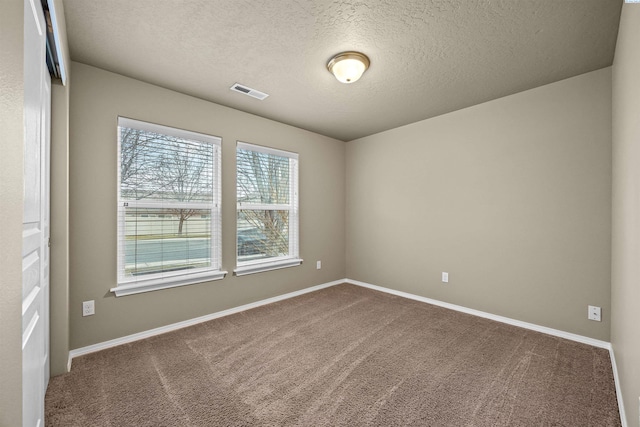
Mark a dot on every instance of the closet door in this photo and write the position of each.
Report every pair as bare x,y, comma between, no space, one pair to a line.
35,233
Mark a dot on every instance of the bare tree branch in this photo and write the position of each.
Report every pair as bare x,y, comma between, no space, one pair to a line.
264,179
163,167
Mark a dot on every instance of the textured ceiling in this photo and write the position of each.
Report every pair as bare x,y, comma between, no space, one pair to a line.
428,57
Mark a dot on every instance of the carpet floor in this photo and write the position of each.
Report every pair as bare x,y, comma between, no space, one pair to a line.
341,356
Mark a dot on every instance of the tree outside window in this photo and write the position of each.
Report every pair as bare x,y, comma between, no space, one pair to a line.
267,204
168,201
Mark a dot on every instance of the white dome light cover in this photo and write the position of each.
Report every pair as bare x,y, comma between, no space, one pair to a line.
348,67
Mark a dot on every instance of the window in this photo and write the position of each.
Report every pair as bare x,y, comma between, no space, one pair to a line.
267,210
168,207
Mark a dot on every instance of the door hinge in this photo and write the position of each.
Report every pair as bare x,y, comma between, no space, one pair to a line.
49,242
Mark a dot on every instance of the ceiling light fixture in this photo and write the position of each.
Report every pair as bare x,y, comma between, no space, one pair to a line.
348,66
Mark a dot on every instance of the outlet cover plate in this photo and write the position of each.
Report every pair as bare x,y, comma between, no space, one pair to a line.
594,313
88,308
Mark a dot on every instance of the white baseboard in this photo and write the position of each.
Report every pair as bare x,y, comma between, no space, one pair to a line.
614,367
157,331
502,319
175,326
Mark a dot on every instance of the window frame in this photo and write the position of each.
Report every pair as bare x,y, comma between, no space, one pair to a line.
293,258
128,285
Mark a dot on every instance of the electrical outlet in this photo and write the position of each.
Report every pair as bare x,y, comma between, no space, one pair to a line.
318,265
445,277
88,308
594,313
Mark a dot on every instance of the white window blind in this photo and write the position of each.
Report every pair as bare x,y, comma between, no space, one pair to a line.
168,207
267,209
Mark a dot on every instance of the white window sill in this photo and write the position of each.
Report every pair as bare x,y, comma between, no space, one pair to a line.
266,266
156,284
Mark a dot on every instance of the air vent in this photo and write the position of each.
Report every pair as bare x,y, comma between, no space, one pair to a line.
237,87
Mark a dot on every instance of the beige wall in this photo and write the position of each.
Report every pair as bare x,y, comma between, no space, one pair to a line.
511,198
97,98
625,277
11,187
59,278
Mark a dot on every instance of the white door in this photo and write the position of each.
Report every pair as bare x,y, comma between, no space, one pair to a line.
35,253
